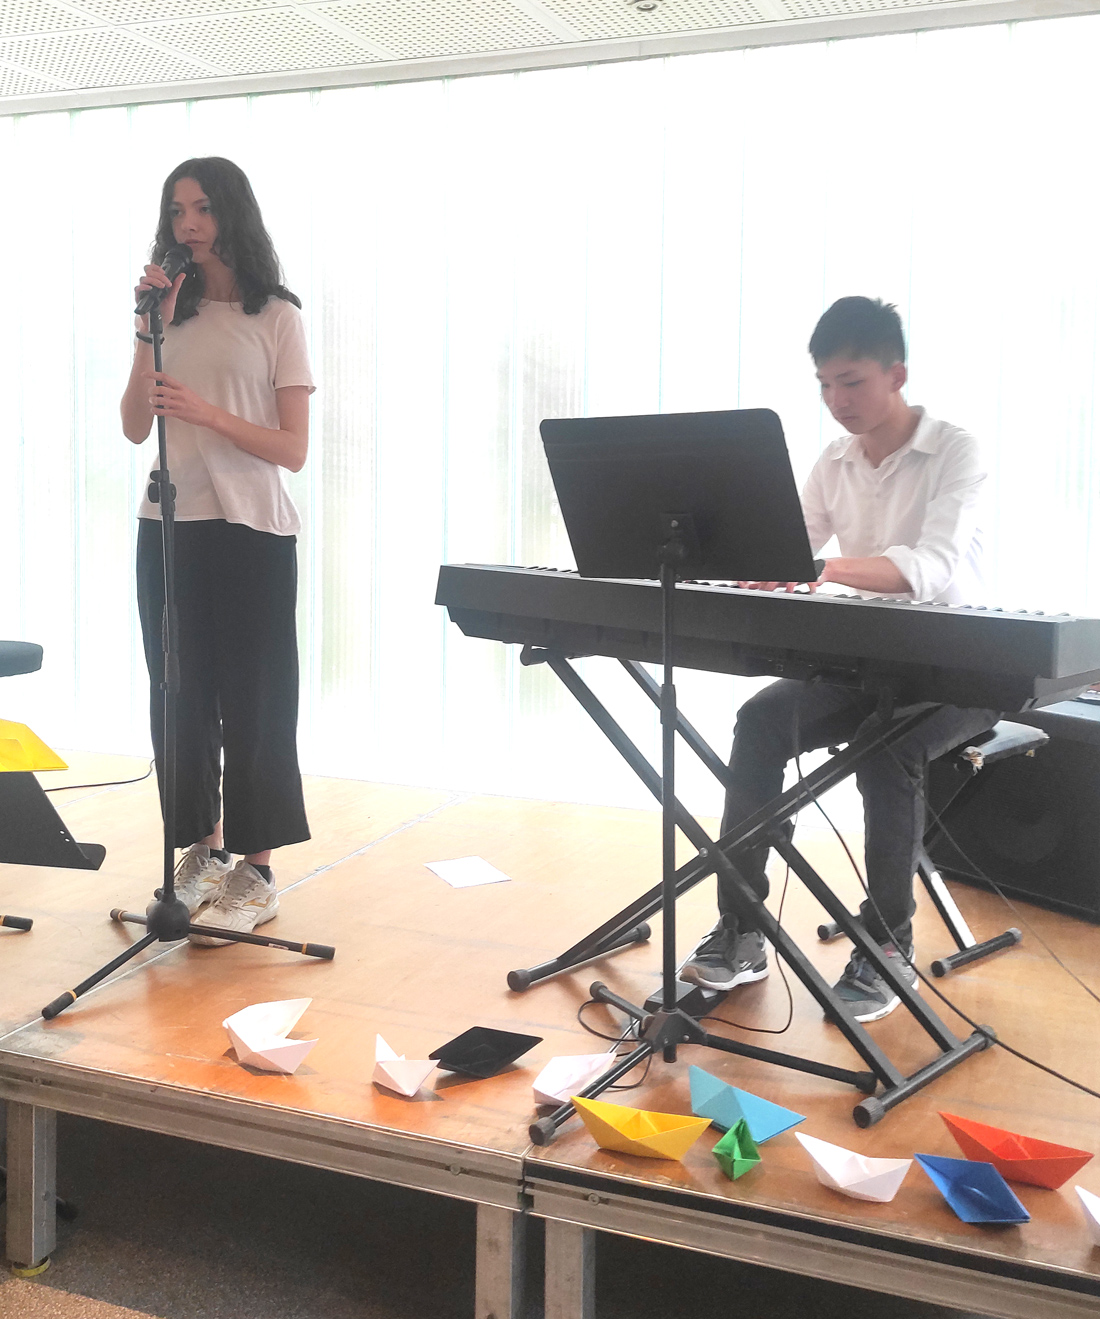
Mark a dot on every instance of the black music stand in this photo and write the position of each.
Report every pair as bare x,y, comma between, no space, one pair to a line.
166,918
712,494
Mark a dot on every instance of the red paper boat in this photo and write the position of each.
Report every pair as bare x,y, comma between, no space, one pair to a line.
1016,1158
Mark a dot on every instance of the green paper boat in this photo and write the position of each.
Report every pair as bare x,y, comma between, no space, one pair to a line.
737,1152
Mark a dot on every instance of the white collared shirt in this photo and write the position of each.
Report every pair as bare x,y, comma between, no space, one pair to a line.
920,508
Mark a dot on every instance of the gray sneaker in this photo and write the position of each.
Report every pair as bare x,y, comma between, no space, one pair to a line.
726,959
865,993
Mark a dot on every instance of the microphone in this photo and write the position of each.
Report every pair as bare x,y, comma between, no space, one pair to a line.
176,259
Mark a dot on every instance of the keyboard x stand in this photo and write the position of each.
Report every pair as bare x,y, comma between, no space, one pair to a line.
662,1031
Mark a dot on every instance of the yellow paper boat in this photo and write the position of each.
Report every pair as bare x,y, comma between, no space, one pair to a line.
638,1131
21,750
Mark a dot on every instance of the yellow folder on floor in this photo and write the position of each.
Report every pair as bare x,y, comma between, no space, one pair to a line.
638,1131
21,750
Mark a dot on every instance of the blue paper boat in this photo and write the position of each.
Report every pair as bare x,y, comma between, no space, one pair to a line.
725,1105
976,1191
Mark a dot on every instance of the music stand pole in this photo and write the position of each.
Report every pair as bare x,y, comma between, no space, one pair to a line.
672,554
167,919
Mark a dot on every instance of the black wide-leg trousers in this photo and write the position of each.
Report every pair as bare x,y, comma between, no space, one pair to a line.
237,710
788,717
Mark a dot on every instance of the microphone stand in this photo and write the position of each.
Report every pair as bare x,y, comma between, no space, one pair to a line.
166,918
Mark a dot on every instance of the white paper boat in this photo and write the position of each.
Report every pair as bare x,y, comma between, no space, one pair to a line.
1091,1205
855,1174
258,1034
393,1071
567,1075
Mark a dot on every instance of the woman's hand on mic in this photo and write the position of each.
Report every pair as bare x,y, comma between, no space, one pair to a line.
169,398
155,278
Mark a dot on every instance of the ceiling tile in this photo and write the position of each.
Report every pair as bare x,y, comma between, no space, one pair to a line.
97,57
22,17
832,8
601,19
415,30
151,11
259,42
13,82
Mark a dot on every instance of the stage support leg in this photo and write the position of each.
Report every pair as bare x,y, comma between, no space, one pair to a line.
501,1255
570,1271
32,1185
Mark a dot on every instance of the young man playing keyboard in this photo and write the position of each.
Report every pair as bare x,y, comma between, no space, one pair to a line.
901,494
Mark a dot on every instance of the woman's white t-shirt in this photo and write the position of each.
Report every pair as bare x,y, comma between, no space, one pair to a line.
235,362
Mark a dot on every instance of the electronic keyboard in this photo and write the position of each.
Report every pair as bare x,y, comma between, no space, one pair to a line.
997,659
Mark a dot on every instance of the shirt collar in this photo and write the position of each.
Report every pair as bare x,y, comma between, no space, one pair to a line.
927,438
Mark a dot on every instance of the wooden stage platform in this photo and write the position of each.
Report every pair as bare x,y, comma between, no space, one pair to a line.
420,962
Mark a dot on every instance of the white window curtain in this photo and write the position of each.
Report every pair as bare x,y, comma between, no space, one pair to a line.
477,254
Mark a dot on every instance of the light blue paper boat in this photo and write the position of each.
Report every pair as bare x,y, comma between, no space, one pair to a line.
975,1191
725,1105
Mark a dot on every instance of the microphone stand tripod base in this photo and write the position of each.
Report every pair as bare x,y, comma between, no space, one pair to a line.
168,920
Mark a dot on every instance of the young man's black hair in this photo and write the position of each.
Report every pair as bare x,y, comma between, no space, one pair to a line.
857,328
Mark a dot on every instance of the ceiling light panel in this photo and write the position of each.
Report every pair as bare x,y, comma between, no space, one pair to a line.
419,31
98,57
600,19
260,42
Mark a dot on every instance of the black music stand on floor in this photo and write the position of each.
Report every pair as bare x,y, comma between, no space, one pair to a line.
711,495
31,831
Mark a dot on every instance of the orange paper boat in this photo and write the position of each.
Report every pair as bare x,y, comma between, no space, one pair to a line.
638,1131
1016,1158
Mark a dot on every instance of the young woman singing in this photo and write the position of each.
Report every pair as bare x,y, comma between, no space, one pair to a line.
235,395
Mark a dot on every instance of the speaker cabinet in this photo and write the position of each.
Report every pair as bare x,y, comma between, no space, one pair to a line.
1032,823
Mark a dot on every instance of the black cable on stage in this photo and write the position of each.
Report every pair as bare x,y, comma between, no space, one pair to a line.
979,874
1000,1044
631,1032
768,1030
115,783
599,1034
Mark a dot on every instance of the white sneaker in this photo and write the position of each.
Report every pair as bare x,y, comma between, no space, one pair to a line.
246,900
199,876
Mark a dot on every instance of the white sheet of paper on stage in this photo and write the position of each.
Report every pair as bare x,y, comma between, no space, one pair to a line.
855,1174
393,1071
567,1075
259,1035
467,872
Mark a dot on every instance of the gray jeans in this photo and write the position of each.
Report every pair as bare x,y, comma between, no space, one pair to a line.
891,783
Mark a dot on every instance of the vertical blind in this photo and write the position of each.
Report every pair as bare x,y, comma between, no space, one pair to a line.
476,254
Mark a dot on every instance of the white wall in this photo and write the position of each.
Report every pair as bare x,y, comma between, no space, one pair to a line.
478,254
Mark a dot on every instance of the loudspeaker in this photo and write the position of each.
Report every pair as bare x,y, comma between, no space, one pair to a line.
1032,823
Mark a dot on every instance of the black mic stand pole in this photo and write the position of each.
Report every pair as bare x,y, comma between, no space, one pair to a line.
166,918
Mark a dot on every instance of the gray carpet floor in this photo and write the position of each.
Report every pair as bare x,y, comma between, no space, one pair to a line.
175,1230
